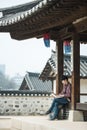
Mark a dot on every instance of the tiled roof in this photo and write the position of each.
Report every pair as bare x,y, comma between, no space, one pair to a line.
21,15
57,17
35,84
19,8
18,13
67,67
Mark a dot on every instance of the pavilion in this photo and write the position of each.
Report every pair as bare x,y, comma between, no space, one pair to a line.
62,20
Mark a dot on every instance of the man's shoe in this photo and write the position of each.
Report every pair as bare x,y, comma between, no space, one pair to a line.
48,112
53,117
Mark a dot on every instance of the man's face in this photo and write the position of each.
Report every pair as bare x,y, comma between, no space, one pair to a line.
64,82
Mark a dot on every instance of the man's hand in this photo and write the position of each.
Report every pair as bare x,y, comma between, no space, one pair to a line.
59,96
53,95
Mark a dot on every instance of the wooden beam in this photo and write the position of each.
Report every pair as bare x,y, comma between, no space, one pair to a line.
83,38
80,24
75,62
60,33
59,50
43,24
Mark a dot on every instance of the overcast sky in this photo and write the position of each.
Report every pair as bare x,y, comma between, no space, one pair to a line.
27,55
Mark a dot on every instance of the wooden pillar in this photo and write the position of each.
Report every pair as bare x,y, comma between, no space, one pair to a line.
75,58
59,51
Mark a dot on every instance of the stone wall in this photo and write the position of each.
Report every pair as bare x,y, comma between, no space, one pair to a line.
24,105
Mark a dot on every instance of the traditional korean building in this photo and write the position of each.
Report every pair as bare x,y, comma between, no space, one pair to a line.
31,82
50,70
62,20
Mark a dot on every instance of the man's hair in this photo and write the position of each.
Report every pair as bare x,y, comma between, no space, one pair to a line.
64,77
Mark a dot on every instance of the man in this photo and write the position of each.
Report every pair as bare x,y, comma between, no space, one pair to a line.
62,98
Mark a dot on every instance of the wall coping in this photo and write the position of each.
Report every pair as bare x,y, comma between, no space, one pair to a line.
23,93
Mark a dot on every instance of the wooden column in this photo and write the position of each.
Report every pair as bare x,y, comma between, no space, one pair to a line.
59,51
75,58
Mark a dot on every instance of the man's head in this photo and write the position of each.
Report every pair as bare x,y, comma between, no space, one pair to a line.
64,79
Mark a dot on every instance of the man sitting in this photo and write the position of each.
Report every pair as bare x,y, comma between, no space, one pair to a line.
62,98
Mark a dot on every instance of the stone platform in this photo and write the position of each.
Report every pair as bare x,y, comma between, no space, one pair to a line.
39,123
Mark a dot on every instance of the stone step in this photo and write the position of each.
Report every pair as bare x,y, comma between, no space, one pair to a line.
5,123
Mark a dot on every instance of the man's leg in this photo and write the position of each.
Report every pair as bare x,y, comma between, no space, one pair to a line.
54,114
55,107
52,106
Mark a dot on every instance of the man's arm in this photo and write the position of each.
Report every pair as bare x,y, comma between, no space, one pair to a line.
57,96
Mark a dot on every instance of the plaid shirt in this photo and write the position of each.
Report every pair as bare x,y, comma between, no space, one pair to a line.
67,91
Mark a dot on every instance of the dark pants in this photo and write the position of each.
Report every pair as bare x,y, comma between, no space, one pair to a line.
55,106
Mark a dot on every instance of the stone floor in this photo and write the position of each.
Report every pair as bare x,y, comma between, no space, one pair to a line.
39,123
